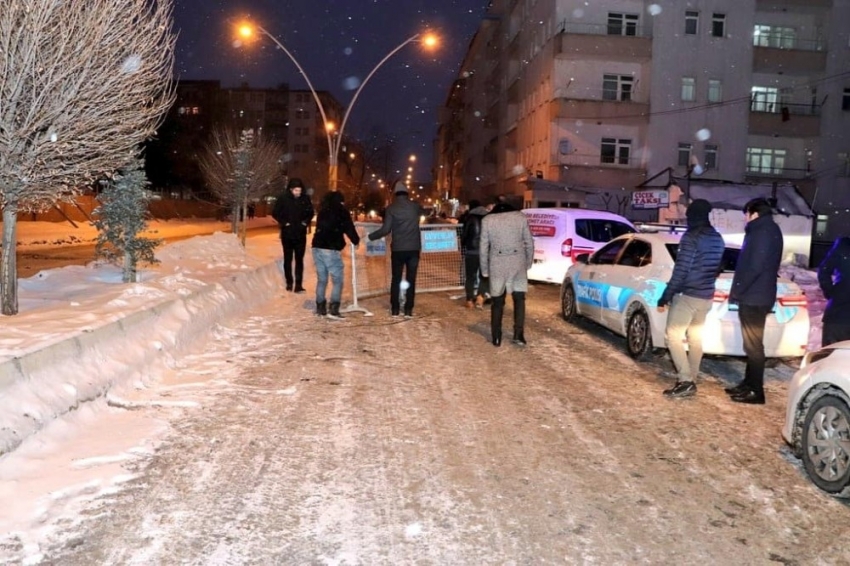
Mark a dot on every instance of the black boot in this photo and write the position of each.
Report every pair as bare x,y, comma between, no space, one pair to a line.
519,318
299,288
496,313
334,312
322,308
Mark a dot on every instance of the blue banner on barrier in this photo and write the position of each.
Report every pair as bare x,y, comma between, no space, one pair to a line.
439,241
376,247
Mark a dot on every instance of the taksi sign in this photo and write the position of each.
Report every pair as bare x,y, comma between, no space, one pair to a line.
651,199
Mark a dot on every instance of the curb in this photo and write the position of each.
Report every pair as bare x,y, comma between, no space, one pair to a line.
35,389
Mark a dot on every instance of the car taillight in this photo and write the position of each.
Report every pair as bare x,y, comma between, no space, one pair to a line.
793,301
567,247
720,296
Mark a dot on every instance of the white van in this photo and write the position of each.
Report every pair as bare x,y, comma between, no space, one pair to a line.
561,234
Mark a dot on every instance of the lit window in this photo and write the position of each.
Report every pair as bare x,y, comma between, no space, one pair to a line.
774,36
691,23
689,87
764,99
715,90
765,160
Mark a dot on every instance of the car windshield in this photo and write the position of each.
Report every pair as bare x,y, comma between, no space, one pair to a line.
730,257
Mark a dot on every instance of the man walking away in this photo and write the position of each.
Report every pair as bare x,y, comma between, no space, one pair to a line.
293,212
401,219
334,222
470,239
834,280
689,293
507,252
754,291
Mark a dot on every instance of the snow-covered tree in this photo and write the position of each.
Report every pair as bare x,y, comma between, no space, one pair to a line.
121,218
238,167
82,84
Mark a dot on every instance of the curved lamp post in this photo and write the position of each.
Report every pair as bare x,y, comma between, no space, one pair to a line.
335,136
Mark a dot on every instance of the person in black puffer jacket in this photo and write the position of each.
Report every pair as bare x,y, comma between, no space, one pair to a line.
334,222
470,239
401,219
834,280
293,212
689,294
754,291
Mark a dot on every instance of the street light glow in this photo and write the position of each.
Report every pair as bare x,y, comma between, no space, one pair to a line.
245,30
430,40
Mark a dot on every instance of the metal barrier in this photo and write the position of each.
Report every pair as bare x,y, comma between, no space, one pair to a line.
441,266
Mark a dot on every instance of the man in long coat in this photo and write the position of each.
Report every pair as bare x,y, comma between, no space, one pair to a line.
506,253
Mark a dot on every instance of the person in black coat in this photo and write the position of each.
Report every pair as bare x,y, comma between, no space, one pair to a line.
690,292
834,280
293,211
754,291
401,219
334,222
470,239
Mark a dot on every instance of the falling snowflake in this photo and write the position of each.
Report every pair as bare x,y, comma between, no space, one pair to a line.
704,134
131,64
654,9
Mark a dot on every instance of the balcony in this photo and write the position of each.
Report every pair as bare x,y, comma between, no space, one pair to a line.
791,5
784,120
622,112
772,173
603,41
804,57
594,170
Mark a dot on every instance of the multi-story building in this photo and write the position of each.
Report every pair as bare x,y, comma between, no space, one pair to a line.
289,117
601,96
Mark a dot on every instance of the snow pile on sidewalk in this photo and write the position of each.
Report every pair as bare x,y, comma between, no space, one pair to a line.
81,331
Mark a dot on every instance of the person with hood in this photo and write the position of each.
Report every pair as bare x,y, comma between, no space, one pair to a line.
470,239
401,220
754,291
293,211
506,253
332,223
834,280
689,293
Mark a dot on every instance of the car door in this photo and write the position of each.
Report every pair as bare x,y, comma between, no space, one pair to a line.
590,283
624,279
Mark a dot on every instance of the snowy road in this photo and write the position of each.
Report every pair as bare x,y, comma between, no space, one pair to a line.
376,441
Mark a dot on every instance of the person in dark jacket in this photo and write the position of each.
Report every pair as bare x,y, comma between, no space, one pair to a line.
332,223
470,240
293,212
754,291
834,280
401,220
689,293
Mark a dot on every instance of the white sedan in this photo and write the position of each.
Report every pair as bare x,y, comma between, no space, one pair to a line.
817,417
620,284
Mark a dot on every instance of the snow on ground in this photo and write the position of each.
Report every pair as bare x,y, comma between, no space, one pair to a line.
53,473
78,459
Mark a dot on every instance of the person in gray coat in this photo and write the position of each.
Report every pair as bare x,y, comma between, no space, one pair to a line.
506,253
401,220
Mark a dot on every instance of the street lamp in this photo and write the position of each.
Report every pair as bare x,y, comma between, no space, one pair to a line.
429,40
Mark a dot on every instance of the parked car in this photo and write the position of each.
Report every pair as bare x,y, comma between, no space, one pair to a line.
561,234
620,284
817,417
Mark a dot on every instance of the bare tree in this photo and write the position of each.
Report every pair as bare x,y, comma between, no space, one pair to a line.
82,84
238,167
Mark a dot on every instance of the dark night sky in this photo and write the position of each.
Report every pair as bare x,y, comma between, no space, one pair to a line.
337,43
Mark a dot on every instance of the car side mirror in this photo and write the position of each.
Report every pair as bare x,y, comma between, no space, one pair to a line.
583,258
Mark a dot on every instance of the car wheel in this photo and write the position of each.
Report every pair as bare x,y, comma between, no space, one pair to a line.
638,340
568,301
826,443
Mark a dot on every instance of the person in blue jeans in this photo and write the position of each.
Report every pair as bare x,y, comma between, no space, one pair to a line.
332,224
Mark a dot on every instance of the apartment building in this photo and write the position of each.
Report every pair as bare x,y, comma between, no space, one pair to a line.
289,117
600,96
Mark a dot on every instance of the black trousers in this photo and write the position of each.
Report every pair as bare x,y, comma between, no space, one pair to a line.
407,262
472,268
293,250
752,329
497,309
834,332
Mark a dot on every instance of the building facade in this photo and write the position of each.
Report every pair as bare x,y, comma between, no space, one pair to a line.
601,96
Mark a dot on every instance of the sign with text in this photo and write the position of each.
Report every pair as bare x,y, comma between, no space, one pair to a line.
651,199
